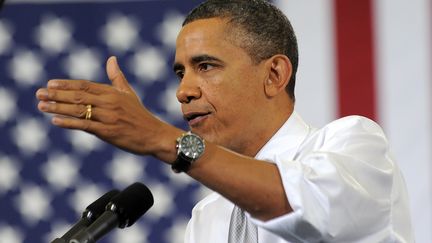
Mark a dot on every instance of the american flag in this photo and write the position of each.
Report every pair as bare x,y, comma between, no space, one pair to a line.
369,57
49,175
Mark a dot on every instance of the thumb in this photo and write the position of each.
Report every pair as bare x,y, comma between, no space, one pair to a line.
116,76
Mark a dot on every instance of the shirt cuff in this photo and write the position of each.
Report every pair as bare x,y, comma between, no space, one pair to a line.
292,226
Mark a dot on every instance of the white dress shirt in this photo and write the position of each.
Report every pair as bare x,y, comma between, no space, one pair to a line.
341,182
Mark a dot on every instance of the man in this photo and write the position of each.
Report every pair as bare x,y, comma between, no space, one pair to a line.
236,61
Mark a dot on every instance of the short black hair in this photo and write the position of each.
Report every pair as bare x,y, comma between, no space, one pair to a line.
267,31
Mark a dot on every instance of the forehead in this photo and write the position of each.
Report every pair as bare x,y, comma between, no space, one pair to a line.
211,27
203,29
207,36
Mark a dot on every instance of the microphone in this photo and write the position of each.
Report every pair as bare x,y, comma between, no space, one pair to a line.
122,211
90,214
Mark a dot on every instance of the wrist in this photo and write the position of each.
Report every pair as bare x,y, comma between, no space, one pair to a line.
166,144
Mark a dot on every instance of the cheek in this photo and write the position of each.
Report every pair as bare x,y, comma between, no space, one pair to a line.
232,110
248,82
234,92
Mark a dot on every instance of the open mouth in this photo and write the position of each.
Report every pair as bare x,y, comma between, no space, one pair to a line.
194,117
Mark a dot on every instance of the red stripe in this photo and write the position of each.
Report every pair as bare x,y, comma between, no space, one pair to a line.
355,57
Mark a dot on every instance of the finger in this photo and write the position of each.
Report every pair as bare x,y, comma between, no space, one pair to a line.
71,110
97,128
78,111
76,124
65,96
78,85
42,94
116,75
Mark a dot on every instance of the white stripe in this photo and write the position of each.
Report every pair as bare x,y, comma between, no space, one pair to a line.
315,87
404,95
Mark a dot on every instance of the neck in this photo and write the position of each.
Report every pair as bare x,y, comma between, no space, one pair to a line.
269,126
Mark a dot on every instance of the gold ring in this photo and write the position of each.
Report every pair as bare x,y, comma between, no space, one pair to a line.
88,113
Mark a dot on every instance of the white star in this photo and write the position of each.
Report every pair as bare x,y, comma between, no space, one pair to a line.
120,33
134,234
163,198
26,68
53,34
169,101
34,204
148,64
9,173
168,30
84,195
177,231
83,63
61,171
30,135
8,104
9,234
83,142
5,37
125,169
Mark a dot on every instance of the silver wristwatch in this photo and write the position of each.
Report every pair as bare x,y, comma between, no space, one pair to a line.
189,148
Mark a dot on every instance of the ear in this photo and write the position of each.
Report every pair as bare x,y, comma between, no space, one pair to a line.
280,71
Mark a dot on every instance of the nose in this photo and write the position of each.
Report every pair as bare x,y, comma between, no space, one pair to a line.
188,90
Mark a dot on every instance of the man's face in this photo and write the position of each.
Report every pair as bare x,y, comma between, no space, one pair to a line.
221,88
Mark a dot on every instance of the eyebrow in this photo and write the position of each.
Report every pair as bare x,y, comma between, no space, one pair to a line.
195,60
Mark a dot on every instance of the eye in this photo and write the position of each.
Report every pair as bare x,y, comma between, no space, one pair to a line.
205,66
179,74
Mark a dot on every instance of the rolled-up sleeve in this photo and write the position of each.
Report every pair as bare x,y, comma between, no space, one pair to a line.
339,185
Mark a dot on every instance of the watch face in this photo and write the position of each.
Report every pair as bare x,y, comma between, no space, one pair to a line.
192,146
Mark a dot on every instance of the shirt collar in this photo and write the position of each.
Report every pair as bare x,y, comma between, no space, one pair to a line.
286,140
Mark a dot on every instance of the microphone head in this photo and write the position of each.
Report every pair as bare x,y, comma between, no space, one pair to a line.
131,204
94,210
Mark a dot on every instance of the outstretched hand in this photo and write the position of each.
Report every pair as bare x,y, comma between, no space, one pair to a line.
117,114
